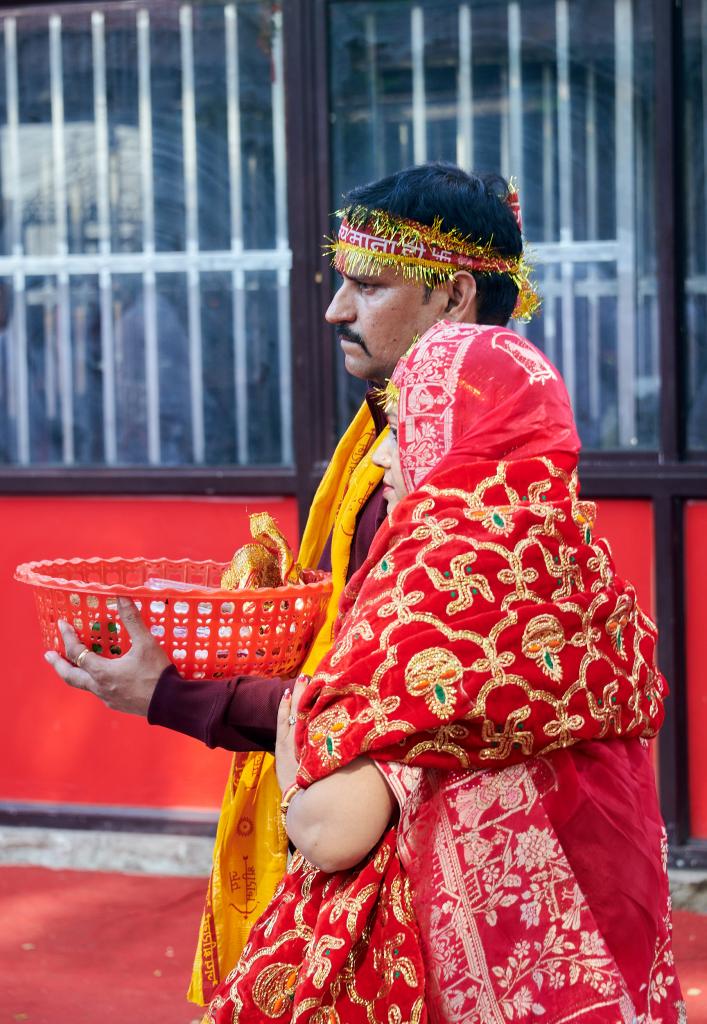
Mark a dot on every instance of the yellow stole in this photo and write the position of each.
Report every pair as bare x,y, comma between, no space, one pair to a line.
250,852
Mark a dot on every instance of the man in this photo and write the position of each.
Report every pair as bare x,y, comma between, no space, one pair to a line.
386,299
425,244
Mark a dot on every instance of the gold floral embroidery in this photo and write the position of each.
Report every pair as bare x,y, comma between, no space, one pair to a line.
361,631
442,740
326,731
497,520
543,639
380,861
384,568
433,674
584,515
350,905
617,622
274,989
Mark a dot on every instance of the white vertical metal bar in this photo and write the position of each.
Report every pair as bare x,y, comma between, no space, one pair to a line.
592,193
191,207
373,94
515,92
48,298
688,121
564,143
282,242
149,283
233,107
504,140
19,317
230,14
419,120
465,92
625,222
56,78
50,376
103,211
549,319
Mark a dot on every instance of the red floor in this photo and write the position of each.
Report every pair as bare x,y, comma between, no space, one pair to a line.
92,948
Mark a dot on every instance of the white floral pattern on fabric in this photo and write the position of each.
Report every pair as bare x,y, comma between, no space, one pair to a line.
512,868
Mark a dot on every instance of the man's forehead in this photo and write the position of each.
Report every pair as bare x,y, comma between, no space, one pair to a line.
391,276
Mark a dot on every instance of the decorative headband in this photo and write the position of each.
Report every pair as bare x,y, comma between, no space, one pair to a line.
370,240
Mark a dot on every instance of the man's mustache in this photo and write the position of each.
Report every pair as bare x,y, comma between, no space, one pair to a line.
346,332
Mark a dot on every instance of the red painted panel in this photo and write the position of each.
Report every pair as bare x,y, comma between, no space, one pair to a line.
61,745
628,526
695,575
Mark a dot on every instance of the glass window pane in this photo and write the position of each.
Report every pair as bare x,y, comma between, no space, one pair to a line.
144,259
695,142
559,95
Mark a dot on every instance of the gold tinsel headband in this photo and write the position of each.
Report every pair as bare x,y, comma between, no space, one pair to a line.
370,240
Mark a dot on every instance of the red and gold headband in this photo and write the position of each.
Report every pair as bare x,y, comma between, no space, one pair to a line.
370,240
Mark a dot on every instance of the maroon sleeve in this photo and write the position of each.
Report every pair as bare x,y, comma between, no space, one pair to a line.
237,714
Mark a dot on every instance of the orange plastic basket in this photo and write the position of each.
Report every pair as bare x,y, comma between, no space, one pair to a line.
206,631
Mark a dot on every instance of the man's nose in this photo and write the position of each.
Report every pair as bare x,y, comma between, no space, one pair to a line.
340,308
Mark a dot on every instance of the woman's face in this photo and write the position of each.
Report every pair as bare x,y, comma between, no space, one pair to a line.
387,456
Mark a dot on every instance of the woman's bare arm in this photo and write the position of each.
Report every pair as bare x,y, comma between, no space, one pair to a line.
336,821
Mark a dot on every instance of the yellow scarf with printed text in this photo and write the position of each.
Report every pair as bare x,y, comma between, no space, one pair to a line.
250,851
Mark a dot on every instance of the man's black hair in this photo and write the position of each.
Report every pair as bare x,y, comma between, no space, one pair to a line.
474,204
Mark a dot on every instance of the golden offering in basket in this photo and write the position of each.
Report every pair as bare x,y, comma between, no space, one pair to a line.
267,562
256,615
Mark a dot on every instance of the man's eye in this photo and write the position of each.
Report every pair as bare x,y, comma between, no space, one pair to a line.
394,433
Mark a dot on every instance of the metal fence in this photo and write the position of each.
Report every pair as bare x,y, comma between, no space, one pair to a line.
559,95
86,263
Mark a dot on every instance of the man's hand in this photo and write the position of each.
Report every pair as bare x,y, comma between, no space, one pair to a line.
286,759
123,684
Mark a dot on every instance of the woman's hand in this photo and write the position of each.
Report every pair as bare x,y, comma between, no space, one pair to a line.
286,759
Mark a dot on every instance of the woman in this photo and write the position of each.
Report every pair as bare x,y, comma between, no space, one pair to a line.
473,803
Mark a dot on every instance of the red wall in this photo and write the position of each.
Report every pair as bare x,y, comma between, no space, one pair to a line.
695,576
58,744
628,526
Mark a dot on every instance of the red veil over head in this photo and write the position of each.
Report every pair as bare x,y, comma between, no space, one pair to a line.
470,393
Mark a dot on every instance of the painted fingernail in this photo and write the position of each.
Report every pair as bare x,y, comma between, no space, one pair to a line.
287,693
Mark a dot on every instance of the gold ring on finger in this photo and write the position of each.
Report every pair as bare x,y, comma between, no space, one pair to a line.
81,658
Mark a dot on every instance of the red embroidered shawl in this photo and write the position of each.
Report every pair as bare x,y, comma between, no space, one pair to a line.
486,627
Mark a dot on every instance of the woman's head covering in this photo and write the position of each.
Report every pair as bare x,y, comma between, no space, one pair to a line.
472,393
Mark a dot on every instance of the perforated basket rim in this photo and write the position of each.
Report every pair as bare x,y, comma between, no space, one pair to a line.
29,572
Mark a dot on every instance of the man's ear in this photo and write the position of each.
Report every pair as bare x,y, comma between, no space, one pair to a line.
462,298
